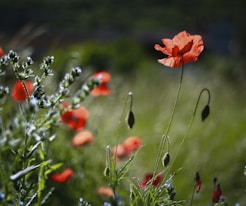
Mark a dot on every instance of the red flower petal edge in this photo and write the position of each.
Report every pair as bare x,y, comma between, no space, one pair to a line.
19,93
63,176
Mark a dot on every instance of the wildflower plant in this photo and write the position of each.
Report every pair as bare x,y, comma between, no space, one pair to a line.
26,137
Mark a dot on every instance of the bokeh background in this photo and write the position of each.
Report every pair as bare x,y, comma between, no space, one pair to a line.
118,37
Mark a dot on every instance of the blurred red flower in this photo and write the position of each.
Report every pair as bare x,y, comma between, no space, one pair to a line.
102,89
63,176
75,118
19,93
83,137
105,191
198,182
1,52
217,194
147,179
130,145
120,152
182,49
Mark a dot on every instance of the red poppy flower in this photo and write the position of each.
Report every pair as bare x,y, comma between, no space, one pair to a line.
75,118
19,93
217,194
147,179
120,152
1,52
82,138
132,143
124,150
102,89
105,191
198,182
63,176
182,49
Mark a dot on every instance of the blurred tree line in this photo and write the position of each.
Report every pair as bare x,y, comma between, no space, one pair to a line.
122,16
221,22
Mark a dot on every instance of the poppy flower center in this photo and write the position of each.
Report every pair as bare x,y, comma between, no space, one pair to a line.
186,48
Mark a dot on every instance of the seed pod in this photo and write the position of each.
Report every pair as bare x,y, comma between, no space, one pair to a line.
205,112
166,159
130,119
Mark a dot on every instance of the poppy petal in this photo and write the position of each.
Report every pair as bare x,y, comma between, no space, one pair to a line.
82,138
21,93
63,176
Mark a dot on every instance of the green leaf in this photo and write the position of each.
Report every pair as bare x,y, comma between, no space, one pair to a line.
32,149
123,170
41,152
53,168
22,173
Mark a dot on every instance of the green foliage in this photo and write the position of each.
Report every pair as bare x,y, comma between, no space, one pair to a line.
27,133
120,56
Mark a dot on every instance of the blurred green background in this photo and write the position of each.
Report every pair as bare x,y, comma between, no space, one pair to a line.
119,37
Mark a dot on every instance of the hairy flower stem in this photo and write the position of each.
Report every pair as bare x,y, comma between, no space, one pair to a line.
165,136
192,195
112,163
25,88
192,119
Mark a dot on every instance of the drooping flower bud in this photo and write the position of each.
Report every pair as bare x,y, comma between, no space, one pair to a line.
205,112
130,119
166,159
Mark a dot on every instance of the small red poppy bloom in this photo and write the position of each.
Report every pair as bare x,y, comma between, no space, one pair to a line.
102,89
182,49
63,176
120,152
198,182
19,93
217,194
132,143
83,137
1,52
75,118
105,191
147,180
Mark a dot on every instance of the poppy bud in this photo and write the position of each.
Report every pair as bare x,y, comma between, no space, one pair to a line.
166,159
130,119
106,171
205,112
215,180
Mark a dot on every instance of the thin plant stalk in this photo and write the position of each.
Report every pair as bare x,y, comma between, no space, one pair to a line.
192,120
165,135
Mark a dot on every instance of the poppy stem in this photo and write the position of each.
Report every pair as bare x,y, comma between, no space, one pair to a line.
25,88
199,97
165,135
131,100
176,100
192,119
192,195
